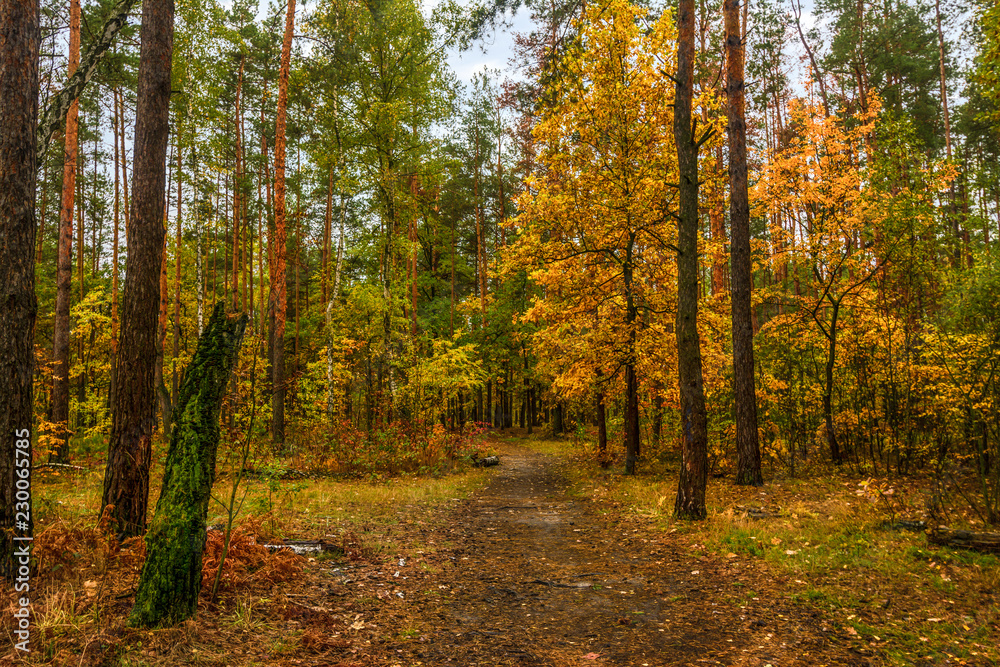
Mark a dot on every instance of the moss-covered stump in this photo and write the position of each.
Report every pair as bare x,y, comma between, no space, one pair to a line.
171,575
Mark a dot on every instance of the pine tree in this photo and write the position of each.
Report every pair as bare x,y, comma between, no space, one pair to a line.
126,478
20,36
690,502
745,395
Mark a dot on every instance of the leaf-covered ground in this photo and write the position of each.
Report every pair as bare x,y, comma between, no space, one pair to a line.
526,574
548,564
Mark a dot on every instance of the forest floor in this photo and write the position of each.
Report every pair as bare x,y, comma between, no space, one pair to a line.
543,562
533,575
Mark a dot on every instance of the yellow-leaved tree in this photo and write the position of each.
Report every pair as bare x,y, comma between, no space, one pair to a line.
849,226
596,228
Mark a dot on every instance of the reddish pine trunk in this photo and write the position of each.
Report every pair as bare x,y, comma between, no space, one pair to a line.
64,270
126,479
278,243
237,194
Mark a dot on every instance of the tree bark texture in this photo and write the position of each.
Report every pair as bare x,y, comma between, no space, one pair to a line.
126,479
744,392
694,423
278,287
20,36
171,575
64,262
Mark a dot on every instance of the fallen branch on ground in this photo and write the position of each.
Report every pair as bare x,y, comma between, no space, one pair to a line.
965,539
303,547
486,462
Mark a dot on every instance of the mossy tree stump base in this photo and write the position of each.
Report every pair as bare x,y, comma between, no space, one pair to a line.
171,576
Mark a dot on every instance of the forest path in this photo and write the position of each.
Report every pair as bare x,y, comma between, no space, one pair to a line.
523,573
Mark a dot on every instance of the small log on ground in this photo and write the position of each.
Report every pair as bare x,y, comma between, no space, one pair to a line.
486,462
171,576
965,539
306,547
57,466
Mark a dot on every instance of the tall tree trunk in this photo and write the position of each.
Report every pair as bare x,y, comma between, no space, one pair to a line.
717,226
162,395
269,210
413,260
329,310
64,270
126,479
247,228
199,255
944,79
694,423
81,395
278,277
171,574
42,213
114,260
20,36
127,206
237,193
453,257
174,383
226,272
480,241
324,271
744,392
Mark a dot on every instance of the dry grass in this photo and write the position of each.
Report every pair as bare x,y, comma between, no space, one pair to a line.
82,591
826,539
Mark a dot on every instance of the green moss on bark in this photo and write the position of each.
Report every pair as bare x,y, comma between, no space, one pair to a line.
171,576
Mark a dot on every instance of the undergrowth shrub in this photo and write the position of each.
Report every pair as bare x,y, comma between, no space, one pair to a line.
247,560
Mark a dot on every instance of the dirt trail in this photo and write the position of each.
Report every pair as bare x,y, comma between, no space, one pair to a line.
529,575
